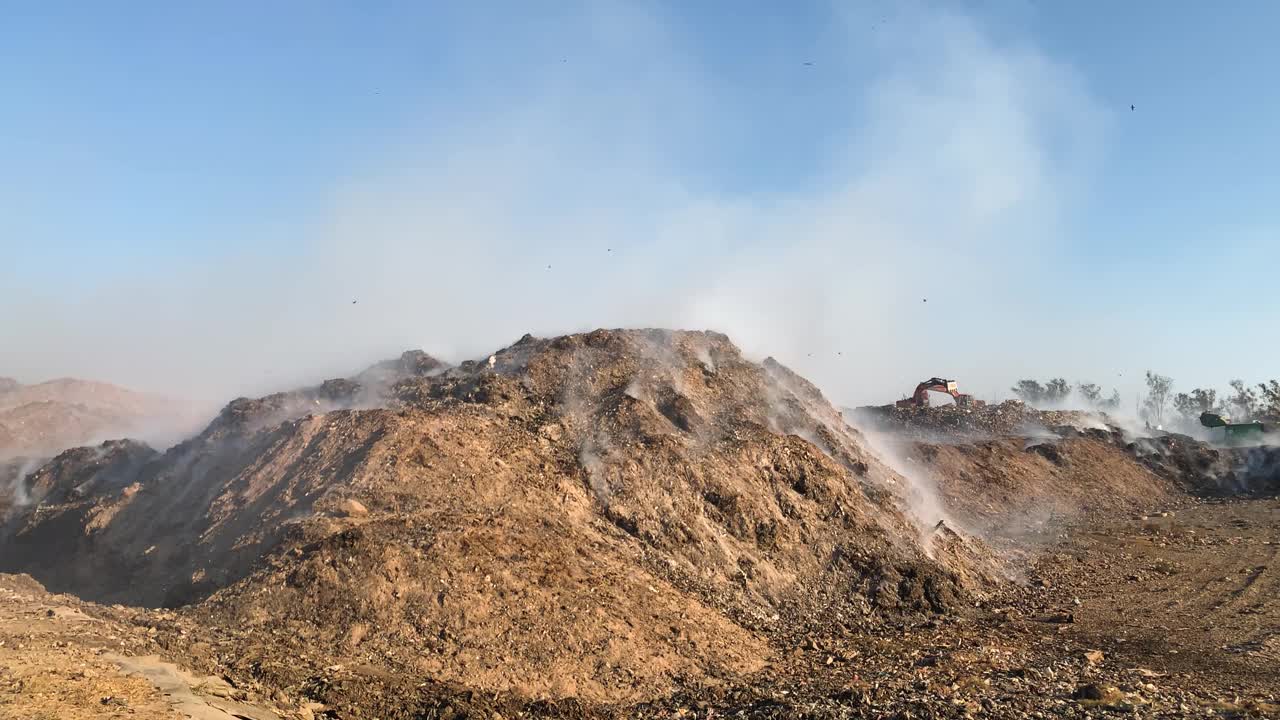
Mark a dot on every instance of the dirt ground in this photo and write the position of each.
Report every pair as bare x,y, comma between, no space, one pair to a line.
1192,592
58,662
1160,615
1171,615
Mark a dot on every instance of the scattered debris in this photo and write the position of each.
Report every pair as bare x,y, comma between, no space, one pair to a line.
970,422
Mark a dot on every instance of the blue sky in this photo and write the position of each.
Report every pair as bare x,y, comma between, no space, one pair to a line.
197,191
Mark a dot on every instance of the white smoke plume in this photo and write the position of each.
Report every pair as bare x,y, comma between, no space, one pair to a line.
922,498
18,494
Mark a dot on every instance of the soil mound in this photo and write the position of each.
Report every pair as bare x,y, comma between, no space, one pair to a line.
602,516
1022,488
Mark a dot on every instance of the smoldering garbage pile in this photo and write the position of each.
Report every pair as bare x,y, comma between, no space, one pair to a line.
1015,475
1208,470
604,516
1189,465
1010,485
1008,418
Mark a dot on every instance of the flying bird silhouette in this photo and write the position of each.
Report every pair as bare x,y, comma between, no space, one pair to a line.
1132,108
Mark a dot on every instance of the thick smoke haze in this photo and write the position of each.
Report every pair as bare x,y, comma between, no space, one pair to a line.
596,187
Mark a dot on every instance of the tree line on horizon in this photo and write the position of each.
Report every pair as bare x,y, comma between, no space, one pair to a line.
1161,405
1057,391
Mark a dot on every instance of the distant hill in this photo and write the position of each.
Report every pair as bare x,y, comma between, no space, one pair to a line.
44,419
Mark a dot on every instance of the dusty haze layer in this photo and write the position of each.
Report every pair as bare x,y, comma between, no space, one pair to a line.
585,203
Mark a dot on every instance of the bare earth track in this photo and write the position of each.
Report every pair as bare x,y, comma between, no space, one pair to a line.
1193,593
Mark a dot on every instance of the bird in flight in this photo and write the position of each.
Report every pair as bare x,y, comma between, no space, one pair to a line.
1132,108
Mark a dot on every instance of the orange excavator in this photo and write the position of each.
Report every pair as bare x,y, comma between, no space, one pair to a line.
920,398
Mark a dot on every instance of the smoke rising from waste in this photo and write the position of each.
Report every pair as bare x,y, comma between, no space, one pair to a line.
608,192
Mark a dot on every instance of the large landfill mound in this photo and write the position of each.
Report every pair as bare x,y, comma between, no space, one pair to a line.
638,523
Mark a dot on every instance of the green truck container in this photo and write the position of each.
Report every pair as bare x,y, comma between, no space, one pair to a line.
1233,433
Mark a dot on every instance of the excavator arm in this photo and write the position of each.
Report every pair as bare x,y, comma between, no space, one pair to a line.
920,398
